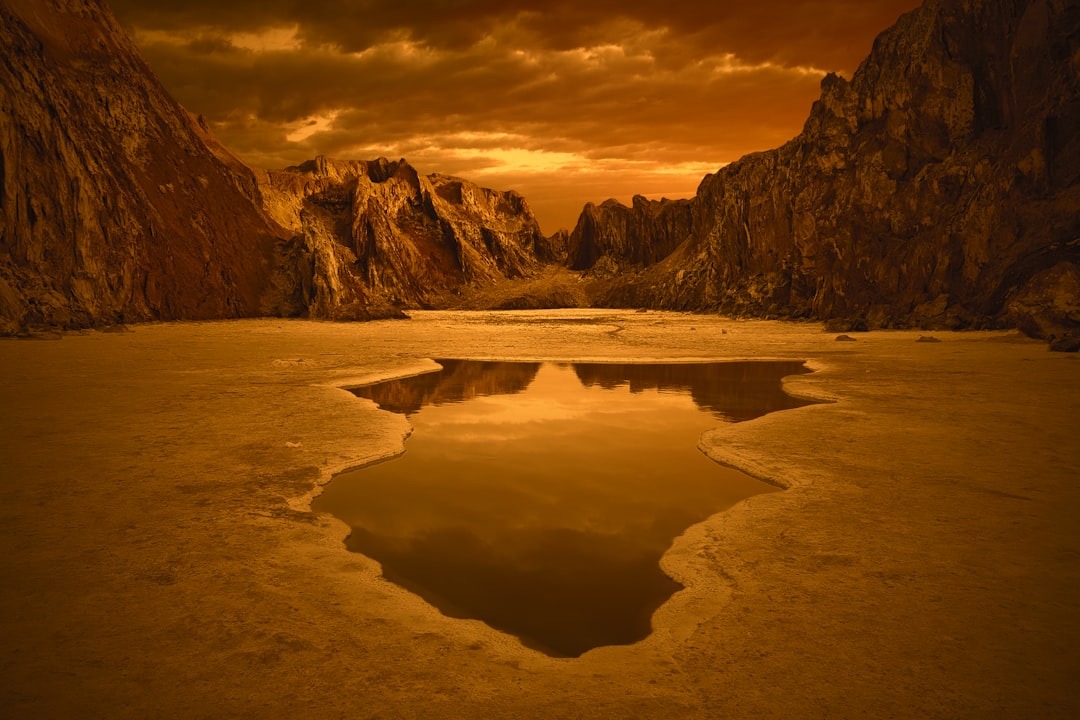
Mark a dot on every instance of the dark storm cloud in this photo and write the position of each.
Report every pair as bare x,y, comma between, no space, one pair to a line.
824,33
543,95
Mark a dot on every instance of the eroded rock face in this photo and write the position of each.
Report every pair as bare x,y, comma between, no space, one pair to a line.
938,188
928,191
616,238
114,206
1048,306
380,235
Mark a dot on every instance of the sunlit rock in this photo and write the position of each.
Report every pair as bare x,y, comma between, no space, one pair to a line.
381,234
117,205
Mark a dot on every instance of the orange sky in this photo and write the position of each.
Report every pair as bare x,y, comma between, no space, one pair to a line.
565,101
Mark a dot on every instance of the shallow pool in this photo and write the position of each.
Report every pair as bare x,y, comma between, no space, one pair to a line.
539,497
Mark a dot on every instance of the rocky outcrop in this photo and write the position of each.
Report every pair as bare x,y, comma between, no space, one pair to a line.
613,238
113,207
553,249
116,205
938,188
1048,306
380,235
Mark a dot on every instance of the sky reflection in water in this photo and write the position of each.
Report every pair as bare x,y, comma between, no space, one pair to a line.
539,498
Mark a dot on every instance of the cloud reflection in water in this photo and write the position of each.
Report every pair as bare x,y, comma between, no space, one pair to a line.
539,498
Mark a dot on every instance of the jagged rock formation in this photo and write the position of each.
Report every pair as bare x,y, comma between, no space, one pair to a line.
113,207
554,249
612,238
938,188
116,205
1048,306
380,234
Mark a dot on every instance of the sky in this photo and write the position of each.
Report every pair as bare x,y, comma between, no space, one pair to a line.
564,101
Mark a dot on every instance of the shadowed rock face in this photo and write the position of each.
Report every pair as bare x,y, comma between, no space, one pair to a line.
614,237
939,189
113,204
1048,307
116,205
933,188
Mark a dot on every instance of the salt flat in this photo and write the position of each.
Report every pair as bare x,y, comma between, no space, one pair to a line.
160,559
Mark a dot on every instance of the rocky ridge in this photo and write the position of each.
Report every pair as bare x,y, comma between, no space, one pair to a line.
938,188
117,205
612,238
112,206
379,235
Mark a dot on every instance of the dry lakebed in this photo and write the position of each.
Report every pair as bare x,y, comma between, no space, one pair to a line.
917,554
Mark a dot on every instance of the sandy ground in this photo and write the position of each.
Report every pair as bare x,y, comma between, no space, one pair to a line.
159,559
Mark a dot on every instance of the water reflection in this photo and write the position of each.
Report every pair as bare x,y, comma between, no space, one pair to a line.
539,498
733,391
459,380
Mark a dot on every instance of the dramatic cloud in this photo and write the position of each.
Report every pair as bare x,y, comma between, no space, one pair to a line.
566,102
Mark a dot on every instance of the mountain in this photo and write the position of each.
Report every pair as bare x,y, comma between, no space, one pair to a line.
113,208
619,238
380,234
117,205
938,188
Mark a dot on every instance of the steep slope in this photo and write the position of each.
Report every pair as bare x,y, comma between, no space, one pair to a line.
938,188
380,234
117,205
112,205
617,237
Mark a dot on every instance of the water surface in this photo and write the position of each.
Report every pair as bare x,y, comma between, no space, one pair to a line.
540,497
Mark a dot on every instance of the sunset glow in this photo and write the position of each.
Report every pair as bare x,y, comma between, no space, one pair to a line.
564,103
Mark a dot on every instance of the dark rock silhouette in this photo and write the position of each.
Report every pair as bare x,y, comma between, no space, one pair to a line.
113,205
732,391
458,380
618,238
937,189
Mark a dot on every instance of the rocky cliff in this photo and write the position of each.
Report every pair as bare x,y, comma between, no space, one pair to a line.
113,207
938,188
612,238
379,234
116,205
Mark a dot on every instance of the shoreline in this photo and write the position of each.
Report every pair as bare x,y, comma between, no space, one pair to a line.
162,561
